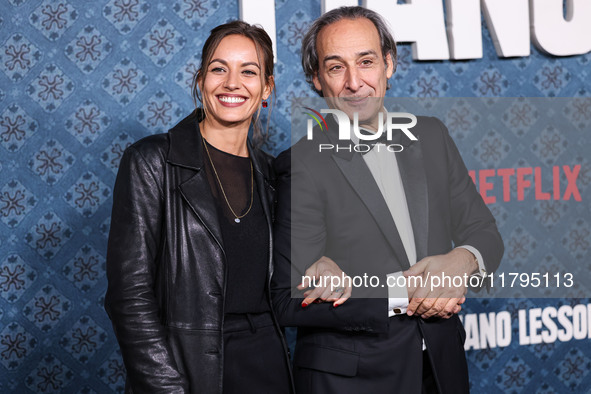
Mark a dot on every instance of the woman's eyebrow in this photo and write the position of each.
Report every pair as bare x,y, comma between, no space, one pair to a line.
225,63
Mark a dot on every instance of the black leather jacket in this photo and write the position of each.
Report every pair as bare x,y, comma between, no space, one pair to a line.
165,263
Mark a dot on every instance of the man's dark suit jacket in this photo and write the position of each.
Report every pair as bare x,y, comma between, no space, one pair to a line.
329,204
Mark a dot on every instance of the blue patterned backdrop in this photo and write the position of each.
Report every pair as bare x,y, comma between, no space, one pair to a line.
81,80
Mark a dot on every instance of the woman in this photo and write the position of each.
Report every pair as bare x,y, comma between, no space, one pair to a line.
189,251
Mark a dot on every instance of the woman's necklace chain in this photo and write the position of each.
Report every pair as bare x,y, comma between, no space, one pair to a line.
236,217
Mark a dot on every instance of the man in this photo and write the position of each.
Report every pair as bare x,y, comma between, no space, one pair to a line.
379,213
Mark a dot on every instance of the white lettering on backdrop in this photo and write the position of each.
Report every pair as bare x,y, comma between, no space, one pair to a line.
459,35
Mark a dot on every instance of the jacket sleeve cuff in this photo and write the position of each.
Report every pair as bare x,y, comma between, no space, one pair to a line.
479,260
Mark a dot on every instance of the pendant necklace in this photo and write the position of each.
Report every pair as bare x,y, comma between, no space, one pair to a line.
236,217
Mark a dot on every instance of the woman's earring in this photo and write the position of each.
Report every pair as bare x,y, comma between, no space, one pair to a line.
264,103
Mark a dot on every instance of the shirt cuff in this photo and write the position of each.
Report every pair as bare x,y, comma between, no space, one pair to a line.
476,253
397,295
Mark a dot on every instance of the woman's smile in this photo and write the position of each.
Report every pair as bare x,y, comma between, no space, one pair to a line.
230,100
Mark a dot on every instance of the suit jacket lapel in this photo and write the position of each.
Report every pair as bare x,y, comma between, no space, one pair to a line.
362,181
414,179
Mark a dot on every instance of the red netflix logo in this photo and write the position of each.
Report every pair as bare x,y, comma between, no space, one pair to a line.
521,178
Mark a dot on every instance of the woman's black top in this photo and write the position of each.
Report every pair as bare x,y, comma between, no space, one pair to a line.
246,244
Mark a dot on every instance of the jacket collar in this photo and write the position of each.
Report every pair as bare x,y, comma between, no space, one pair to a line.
185,142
